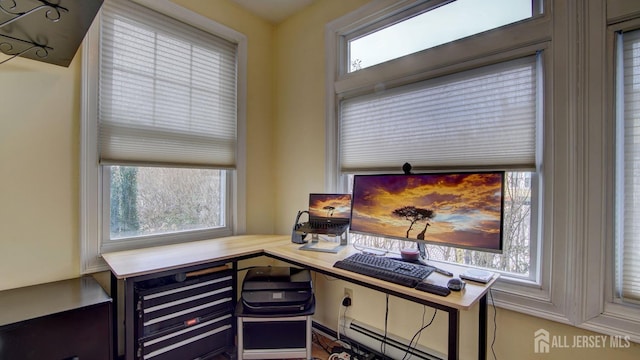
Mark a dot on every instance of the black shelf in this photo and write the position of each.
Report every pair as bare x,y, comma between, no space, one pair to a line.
45,30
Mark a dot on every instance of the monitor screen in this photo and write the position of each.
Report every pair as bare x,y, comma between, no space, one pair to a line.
337,206
463,209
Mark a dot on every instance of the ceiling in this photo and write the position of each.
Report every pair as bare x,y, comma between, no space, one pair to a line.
274,10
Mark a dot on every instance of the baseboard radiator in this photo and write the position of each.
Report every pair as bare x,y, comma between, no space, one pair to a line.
395,347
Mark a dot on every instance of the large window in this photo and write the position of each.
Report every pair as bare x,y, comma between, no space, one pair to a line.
571,246
487,116
481,118
488,101
163,108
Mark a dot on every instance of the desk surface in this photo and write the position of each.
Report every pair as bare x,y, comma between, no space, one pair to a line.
130,263
125,264
323,261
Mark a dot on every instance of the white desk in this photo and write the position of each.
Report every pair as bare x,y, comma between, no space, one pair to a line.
135,265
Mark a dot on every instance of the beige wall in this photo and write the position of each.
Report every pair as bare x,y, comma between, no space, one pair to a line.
39,178
39,171
300,107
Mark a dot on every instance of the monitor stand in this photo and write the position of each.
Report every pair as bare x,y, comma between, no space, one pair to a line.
422,249
316,245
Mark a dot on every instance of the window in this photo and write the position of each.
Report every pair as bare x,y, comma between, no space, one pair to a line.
611,303
476,118
438,24
485,117
480,117
153,201
469,122
627,264
161,139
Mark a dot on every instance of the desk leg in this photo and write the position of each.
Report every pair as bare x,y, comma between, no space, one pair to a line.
454,334
129,320
482,328
236,326
115,326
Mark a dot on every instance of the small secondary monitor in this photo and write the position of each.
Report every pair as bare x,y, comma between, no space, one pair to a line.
329,207
462,209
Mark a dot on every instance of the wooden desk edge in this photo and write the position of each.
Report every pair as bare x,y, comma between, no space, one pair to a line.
323,262
133,263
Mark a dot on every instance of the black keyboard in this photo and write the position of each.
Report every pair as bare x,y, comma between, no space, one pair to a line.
317,227
383,268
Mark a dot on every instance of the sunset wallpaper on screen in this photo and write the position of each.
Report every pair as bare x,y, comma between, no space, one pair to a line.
330,205
456,209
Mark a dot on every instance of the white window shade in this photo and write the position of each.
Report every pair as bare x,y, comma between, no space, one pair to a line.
482,117
629,173
167,91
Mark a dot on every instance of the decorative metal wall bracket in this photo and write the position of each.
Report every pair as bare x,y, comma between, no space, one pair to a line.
8,48
12,46
50,31
52,11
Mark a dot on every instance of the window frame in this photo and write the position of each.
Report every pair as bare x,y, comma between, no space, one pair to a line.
542,297
404,10
602,310
93,189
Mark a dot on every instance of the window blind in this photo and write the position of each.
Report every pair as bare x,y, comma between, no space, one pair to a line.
481,117
628,242
167,91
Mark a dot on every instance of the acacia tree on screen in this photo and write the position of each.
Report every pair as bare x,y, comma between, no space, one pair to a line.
413,215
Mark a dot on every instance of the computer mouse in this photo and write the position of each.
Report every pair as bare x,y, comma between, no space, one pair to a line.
456,284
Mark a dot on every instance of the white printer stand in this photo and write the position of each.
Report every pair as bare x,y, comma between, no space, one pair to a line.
274,336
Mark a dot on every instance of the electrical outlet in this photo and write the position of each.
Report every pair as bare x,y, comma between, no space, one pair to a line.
348,293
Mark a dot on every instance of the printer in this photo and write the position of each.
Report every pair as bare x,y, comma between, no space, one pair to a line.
277,290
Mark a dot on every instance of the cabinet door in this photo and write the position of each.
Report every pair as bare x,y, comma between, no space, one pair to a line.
81,334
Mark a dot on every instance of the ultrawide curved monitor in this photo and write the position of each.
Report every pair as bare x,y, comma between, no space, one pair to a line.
462,209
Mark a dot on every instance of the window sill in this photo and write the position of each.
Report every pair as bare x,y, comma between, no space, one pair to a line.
625,326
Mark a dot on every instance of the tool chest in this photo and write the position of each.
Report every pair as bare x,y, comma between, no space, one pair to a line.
185,317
